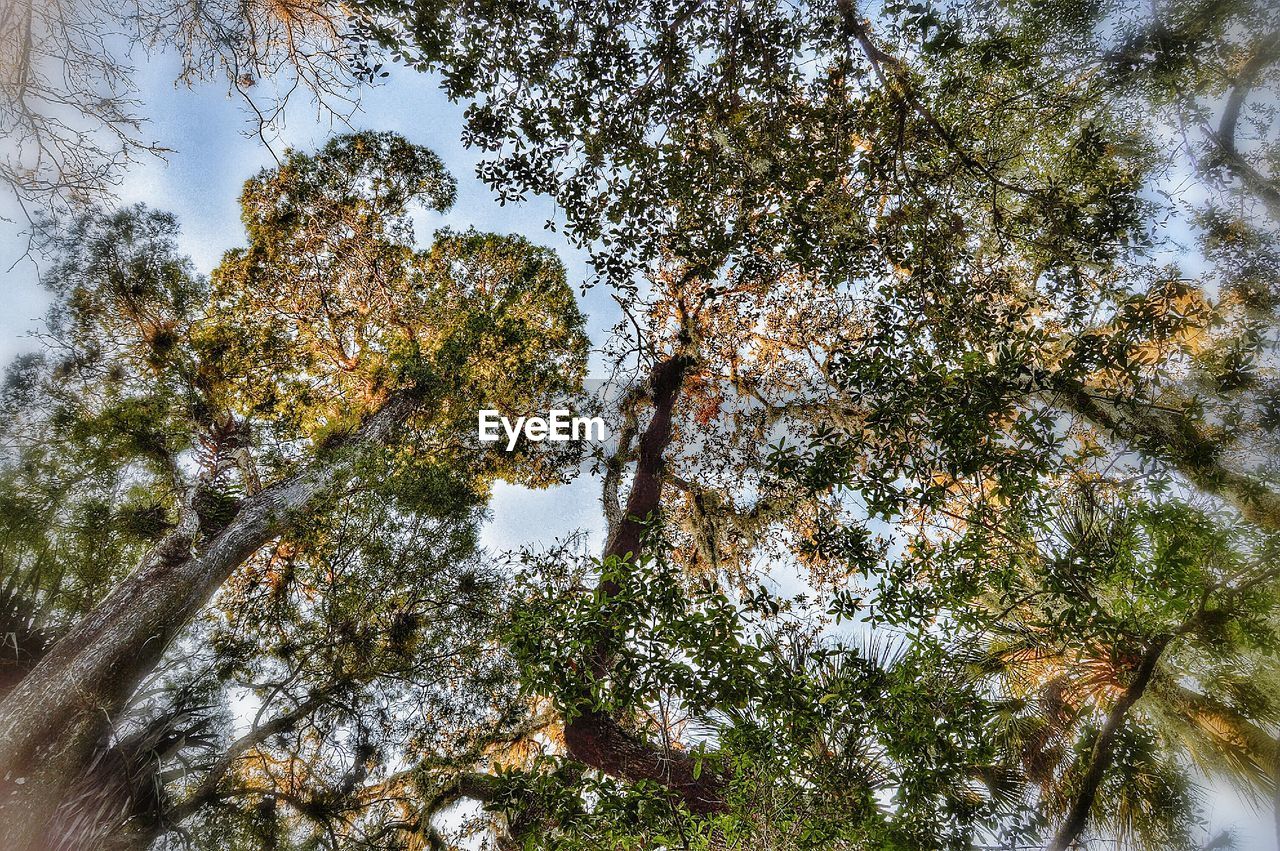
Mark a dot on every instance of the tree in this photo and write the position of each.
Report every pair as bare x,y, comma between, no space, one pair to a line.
147,343
1126,634
969,184
925,250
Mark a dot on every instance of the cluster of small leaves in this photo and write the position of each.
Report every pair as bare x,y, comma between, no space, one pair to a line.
761,133
663,639
805,732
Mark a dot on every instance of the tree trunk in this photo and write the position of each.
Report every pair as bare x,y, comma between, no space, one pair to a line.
596,739
646,485
1100,756
51,722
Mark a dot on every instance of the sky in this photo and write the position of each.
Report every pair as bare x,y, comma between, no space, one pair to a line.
212,155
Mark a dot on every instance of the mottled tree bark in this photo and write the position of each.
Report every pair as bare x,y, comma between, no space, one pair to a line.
646,485
54,719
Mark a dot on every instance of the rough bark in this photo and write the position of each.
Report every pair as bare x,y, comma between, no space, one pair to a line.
1101,755
646,485
52,721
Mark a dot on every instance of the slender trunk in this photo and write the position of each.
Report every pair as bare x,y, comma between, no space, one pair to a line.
51,722
1103,750
646,486
207,791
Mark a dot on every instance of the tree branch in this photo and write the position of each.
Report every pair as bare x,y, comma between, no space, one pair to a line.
208,788
595,738
895,79
1103,749
1175,438
1266,189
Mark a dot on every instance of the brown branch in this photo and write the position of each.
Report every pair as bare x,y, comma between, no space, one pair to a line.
1101,755
665,383
207,791
594,738
1267,53
600,741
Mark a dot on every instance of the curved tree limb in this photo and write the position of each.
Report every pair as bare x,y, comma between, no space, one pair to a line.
594,738
52,720
1266,189
893,75
207,790
1101,755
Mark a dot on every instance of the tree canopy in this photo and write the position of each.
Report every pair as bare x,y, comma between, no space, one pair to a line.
958,321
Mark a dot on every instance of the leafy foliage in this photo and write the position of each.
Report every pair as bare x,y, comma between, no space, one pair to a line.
909,320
